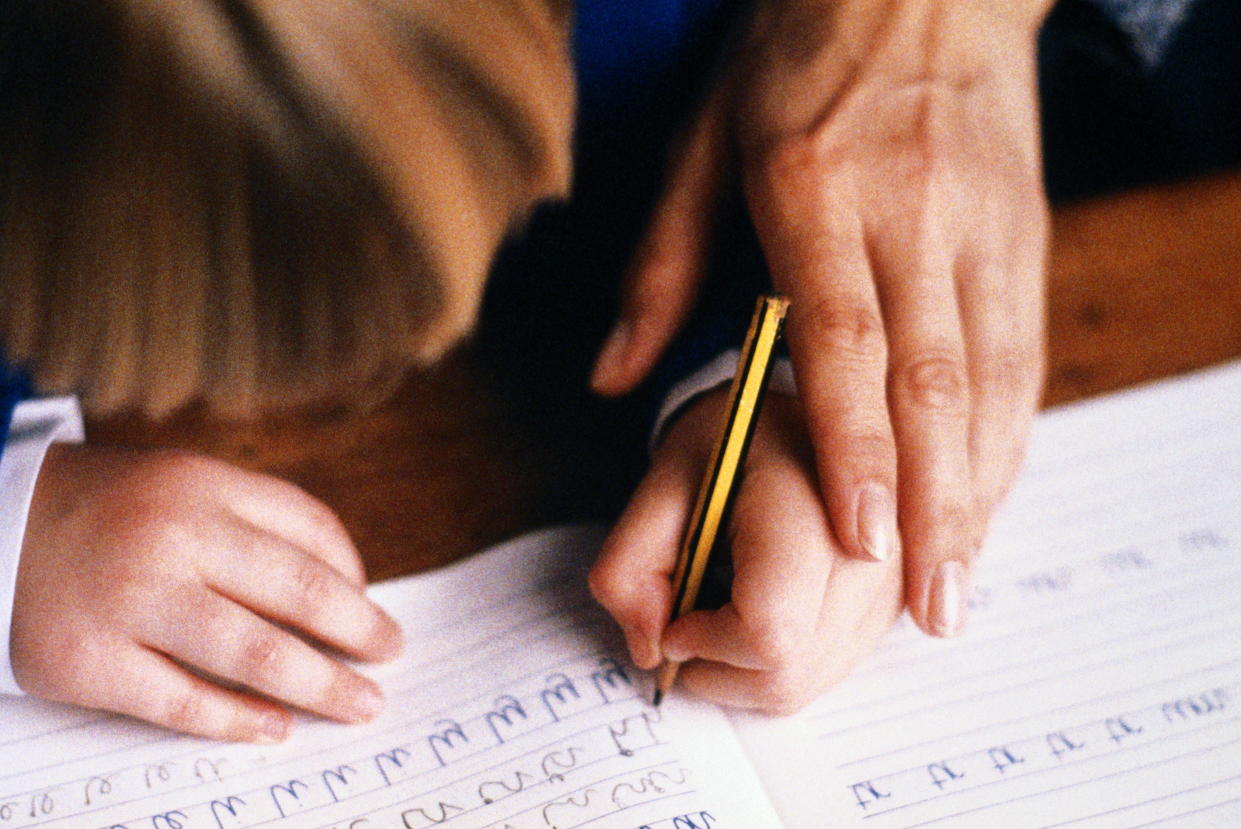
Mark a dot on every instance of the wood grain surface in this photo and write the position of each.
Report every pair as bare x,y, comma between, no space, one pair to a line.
1142,285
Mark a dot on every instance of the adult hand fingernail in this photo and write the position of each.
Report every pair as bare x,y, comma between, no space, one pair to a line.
876,522
945,608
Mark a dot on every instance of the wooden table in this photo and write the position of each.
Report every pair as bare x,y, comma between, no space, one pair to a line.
1142,285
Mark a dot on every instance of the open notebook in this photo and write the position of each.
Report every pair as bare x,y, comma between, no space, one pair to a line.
1099,685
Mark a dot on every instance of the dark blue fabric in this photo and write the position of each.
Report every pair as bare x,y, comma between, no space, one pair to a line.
14,387
1117,115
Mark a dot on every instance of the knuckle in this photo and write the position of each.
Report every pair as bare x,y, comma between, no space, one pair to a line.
262,659
851,327
919,167
184,712
937,383
314,582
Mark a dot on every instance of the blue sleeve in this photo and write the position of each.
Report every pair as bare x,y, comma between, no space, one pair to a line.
14,387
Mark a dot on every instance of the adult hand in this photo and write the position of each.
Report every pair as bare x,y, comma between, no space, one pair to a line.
890,159
801,613
161,584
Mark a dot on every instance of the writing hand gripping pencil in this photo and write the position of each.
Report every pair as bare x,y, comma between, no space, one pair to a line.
723,471
801,611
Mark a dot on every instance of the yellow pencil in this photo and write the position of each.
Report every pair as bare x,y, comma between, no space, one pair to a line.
720,482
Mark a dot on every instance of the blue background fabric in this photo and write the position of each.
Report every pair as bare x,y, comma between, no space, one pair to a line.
14,387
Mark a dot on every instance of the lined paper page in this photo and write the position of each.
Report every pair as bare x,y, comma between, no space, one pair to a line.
1099,684
510,711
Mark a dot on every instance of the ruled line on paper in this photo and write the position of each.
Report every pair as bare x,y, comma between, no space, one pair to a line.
109,719
570,796
542,588
1011,745
903,652
673,821
1040,680
86,723
1103,662
517,703
1039,714
1232,778
1202,810
420,724
1066,787
374,809
291,761
404,725
969,651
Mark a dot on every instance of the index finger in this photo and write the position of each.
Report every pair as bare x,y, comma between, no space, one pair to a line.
816,250
632,578
782,558
283,583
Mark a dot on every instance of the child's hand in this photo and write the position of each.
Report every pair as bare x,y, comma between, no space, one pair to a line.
802,612
155,584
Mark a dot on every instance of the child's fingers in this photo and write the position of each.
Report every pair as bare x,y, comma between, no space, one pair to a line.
782,557
861,602
744,688
632,577
282,582
229,642
715,636
289,511
149,686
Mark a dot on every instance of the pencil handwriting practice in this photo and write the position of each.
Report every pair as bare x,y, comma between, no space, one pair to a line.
528,719
1098,686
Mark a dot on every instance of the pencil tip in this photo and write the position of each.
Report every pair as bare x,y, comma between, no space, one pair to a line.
659,697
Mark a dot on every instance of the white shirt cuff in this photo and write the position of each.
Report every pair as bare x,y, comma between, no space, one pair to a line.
718,371
36,425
